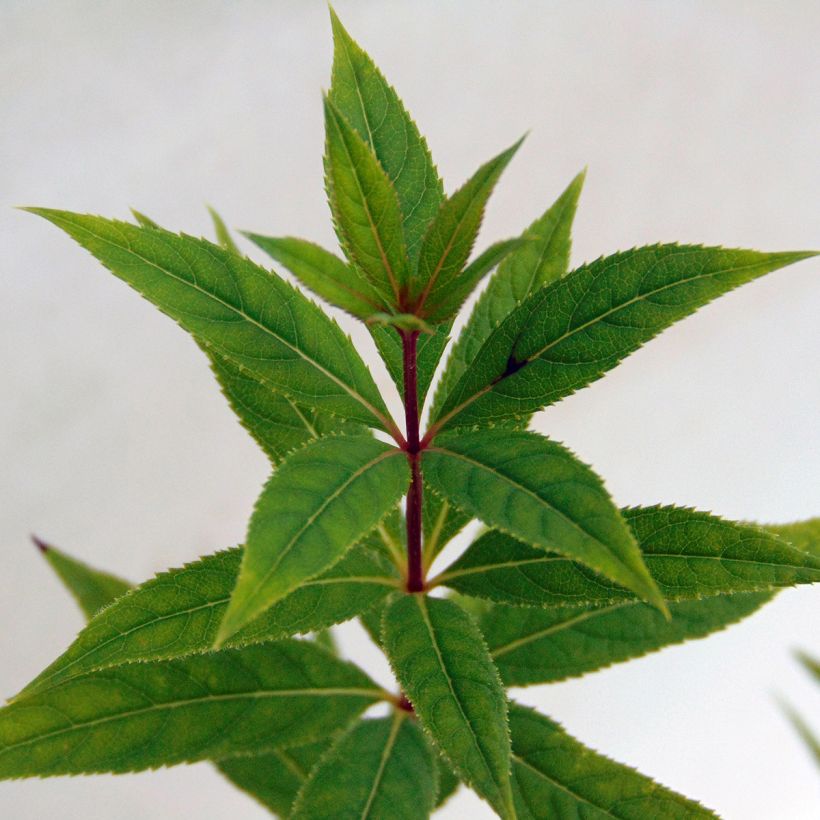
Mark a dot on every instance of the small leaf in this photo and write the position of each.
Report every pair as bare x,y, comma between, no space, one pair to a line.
572,331
274,779
442,664
372,107
532,646
319,503
538,491
380,770
91,588
542,257
450,237
365,209
178,612
806,733
441,522
238,309
805,535
689,555
223,235
144,220
401,321
555,776
143,715
324,273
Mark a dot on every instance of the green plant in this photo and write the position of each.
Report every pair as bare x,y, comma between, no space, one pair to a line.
201,662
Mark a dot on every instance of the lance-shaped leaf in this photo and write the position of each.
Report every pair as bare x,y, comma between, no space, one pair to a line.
555,776
441,522
143,715
274,779
689,555
546,645
573,330
365,209
805,535
90,588
369,103
542,257
178,613
450,237
538,491
319,503
337,282
442,664
223,235
380,770
239,310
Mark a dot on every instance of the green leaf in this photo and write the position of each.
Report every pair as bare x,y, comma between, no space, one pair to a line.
441,522
365,209
532,646
805,535
570,332
238,309
379,769
442,664
320,502
555,776
178,612
143,715
223,235
689,555
144,220
538,491
810,664
541,258
448,781
806,733
450,237
90,588
372,107
324,273
274,779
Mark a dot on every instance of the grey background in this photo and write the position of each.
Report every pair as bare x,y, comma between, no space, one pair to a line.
699,122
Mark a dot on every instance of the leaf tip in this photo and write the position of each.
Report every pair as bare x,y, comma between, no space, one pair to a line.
40,544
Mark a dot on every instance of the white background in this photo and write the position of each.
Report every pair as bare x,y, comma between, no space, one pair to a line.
699,122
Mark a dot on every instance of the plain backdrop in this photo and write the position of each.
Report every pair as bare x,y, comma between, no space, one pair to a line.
699,121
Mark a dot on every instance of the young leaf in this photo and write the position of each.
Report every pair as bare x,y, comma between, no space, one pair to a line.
689,554
143,715
238,309
380,769
546,645
274,779
805,535
449,239
372,107
542,257
324,273
365,209
144,220
555,776
223,235
573,330
442,664
538,491
91,588
319,503
441,523
178,613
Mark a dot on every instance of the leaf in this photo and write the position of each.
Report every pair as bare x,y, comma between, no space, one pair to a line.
541,258
372,107
178,612
538,491
689,555
324,273
441,522
810,664
450,237
144,715
365,209
379,769
570,332
274,779
448,782
238,310
442,664
90,588
223,235
555,776
401,322
805,535
144,220
319,503
805,732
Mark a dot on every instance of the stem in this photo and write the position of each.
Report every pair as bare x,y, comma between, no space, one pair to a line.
415,564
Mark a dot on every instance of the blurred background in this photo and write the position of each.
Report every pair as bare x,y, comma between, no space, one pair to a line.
699,121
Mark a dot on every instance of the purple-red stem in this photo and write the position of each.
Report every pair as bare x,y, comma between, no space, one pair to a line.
415,568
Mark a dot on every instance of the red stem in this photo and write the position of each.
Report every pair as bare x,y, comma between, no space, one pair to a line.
415,566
